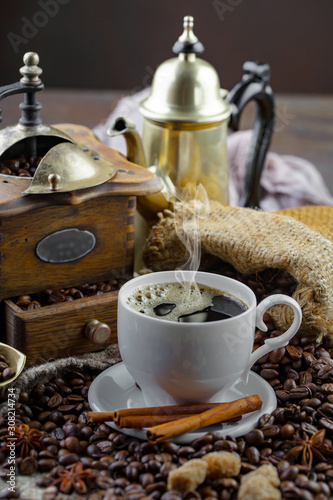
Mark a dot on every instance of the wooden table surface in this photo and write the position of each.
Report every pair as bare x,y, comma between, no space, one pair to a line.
304,123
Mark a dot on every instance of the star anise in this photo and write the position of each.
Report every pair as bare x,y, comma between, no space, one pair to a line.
307,448
25,440
75,477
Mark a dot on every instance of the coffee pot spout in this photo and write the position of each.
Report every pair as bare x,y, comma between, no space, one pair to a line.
126,127
148,206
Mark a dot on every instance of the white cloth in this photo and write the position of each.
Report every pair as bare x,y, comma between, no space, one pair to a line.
287,181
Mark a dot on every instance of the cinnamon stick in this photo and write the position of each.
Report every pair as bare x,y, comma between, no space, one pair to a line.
142,421
218,414
98,417
186,409
183,410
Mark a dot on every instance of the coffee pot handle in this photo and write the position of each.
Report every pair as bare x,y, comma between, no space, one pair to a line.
275,342
255,85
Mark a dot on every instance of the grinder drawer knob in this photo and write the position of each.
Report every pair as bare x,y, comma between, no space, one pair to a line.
97,332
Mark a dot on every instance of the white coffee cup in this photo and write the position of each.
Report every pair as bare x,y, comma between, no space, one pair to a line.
177,363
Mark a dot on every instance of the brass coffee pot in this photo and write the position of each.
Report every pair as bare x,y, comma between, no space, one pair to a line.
186,120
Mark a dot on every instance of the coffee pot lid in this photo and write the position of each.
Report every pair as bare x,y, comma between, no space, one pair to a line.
186,88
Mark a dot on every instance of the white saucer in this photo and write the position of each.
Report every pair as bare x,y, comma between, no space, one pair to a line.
115,388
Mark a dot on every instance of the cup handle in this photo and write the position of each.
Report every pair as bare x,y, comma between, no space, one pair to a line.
276,342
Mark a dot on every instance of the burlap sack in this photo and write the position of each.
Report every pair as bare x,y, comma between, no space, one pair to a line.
299,241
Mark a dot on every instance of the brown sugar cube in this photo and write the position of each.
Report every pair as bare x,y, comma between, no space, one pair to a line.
268,471
257,487
188,476
222,464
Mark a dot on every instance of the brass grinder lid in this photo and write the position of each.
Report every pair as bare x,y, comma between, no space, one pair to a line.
65,166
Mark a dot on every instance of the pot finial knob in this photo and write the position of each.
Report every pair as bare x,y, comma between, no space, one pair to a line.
188,42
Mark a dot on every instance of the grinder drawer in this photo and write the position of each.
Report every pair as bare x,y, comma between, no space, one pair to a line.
59,329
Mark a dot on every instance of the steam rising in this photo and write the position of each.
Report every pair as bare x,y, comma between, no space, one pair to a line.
192,208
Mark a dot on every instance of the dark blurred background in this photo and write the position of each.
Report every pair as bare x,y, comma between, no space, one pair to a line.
114,44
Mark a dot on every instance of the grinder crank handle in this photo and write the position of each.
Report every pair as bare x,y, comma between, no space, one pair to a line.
29,84
254,86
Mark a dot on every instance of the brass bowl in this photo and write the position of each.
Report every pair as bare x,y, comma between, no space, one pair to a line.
15,360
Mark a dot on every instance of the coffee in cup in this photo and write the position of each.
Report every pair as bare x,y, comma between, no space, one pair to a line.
184,301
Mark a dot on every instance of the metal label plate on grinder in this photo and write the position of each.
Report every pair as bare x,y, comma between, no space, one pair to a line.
66,245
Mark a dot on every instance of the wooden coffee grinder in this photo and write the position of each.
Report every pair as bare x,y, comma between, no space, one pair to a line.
67,215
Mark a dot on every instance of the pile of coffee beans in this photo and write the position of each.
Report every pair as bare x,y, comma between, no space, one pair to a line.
20,167
54,296
263,283
6,372
112,465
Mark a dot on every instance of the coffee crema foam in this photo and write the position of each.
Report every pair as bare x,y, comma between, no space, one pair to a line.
188,298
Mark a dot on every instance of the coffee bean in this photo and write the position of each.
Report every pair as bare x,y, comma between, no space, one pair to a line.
268,373
86,432
122,455
93,451
49,297
308,358
270,431
159,486
326,410
326,423
289,474
293,373
147,478
305,378
54,401
276,355
289,384
183,451
46,454
325,372
327,388
255,437
324,488
58,434
253,455
28,466
266,419
8,373
34,424
72,444
68,459
313,402
225,445
287,431
294,352
283,395
3,366
299,392
46,464
49,426
71,429
105,446
197,443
